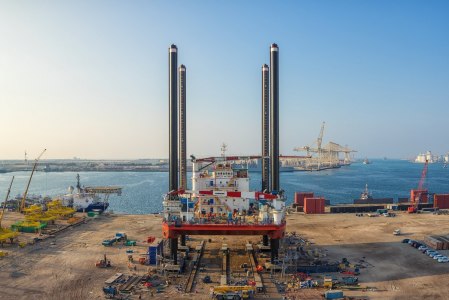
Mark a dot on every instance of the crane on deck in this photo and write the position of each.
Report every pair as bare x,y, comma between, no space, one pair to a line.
416,196
22,204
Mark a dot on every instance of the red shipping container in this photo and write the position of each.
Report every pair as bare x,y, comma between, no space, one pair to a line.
309,205
319,205
299,197
441,201
414,195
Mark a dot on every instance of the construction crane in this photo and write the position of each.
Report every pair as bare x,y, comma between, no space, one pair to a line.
4,203
417,195
22,204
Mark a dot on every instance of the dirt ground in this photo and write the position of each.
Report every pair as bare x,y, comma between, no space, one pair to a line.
62,267
397,270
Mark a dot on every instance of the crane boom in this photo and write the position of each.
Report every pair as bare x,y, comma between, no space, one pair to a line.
423,175
4,203
22,204
319,140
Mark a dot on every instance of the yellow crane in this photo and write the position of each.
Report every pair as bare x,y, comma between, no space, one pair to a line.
6,233
22,204
4,203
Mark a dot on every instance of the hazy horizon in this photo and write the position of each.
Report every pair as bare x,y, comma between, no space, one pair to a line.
90,78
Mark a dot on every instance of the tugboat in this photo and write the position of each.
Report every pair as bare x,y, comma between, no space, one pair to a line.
366,195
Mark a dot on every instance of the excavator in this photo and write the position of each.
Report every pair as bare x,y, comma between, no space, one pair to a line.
418,194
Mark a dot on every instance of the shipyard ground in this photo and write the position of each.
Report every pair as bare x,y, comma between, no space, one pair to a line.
62,267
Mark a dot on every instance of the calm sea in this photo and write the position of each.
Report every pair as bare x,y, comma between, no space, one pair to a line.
142,191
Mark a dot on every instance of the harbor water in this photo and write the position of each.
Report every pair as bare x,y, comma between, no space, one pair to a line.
142,191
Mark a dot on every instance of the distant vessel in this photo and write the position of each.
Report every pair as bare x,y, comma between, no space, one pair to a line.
366,195
87,199
366,161
423,157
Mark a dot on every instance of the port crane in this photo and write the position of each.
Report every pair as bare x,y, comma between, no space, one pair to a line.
420,191
22,204
319,141
327,156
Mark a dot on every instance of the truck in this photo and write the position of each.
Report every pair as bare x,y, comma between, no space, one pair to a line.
236,292
108,242
350,280
119,237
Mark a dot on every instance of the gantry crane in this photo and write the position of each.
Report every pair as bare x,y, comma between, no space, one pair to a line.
327,156
22,204
319,141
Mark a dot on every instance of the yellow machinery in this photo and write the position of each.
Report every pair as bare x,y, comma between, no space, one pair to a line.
234,292
33,209
22,204
55,208
40,217
328,282
6,233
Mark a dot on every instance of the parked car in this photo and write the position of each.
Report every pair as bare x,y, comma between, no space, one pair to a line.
432,254
443,260
424,249
438,256
429,250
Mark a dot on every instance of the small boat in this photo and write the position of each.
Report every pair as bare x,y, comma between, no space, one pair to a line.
366,195
366,161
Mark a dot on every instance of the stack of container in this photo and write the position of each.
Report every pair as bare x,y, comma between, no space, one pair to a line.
314,205
154,250
414,195
299,200
403,200
441,201
437,242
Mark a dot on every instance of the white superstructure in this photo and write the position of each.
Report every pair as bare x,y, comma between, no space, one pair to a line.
220,191
422,157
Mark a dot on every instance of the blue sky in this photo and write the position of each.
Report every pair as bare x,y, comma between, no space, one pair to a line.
89,78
